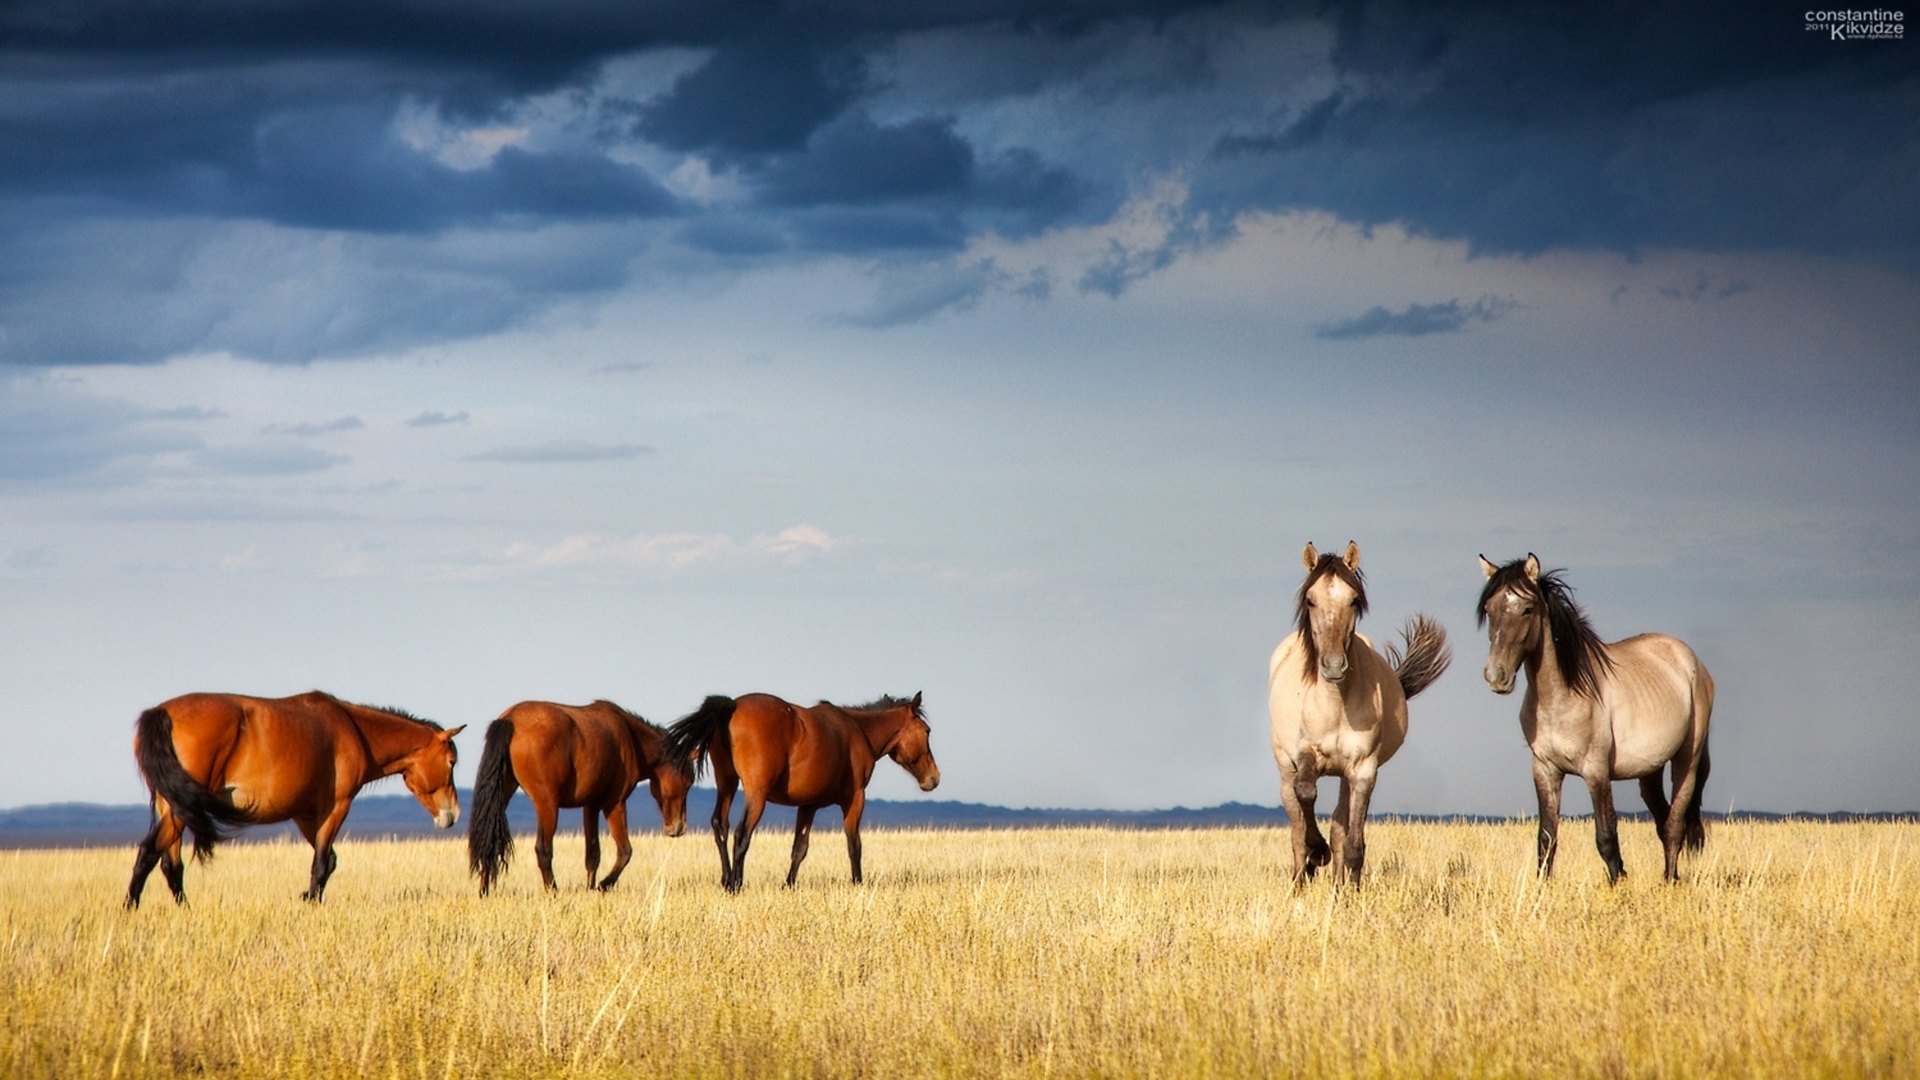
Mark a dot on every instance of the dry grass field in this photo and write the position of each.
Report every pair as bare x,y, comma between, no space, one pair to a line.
1792,950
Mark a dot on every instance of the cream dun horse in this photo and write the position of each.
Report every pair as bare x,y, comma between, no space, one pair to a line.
1339,708
1602,712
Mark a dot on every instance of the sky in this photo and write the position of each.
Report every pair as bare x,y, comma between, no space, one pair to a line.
447,355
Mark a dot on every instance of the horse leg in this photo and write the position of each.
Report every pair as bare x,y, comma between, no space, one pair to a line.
172,864
622,844
146,857
1355,805
1696,834
802,830
546,816
1689,772
1337,829
321,837
852,812
724,783
1606,826
1655,796
743,838
590,828
1299,819
1547,781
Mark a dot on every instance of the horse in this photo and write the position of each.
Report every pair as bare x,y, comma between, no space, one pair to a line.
216,762
1604,712
805,758
590,756
1339,708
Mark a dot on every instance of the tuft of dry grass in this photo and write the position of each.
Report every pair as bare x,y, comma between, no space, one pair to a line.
1791,950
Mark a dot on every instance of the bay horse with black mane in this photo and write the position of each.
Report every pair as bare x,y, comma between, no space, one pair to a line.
589,756
1339,708
1602,712
216,762
805,758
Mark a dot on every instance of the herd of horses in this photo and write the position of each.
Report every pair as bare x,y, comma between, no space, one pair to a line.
1629,709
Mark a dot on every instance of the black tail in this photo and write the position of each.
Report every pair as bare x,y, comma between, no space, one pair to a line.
1696,835
1427,655
693,735
212,819
489,839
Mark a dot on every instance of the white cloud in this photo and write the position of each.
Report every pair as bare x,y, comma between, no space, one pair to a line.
600,557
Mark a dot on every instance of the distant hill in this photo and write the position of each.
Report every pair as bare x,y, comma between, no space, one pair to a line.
96,825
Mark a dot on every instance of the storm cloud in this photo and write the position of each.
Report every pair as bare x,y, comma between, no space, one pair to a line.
396,174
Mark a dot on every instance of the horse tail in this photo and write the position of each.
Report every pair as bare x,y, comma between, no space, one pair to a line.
691,736
489,838
1427,655
212,819
1695,837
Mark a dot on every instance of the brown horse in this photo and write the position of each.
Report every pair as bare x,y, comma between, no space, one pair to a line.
805,758
590,756
215,762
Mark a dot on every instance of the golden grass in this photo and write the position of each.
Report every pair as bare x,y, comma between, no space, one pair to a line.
1792,950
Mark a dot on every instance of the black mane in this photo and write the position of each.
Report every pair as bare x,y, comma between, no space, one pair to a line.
1577,649
405,715
888,701
1329,563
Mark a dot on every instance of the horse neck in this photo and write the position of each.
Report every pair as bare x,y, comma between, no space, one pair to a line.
1543,669
646,739
880,727
389,738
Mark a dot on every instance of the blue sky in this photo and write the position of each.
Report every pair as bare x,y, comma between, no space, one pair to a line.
452,355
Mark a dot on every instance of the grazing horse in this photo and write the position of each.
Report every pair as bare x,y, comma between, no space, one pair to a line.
215,762
1339,708
1604,712
590,756
805,758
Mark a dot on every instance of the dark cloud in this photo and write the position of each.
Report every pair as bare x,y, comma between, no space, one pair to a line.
560,450
136,134
50,431
1417,320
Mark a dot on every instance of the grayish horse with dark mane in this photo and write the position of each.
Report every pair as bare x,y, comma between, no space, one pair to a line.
1603,712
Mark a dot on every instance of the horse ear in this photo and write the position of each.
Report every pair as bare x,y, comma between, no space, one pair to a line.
916,699
1310,556
1488,568
1533,567
447,736
1352,558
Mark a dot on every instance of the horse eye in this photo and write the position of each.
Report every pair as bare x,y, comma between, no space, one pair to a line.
1310,602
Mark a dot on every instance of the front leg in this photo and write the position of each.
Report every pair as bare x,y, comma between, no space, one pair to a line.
1547,780
1356,794
1337,829
321,837
802,829
1606,826
743,838
852,812
622,843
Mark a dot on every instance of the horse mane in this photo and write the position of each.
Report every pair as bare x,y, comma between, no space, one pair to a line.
888,701
405,715
1329,563
1577,648
678,762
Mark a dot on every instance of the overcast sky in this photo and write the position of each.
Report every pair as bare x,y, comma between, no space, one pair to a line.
450,354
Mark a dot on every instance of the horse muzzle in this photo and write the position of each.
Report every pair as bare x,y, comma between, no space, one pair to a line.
446,817
930,781
1333,668
1499,680
678,828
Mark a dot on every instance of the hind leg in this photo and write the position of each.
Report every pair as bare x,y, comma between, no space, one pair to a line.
164,835
590,829
1683,820
802,830
725,783
622,844
546,815
743,839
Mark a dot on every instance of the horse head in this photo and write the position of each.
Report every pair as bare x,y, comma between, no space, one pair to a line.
910,747
428,773
671,781
1329,606
1513,610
